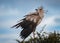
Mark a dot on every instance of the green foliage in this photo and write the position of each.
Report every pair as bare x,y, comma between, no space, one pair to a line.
41,38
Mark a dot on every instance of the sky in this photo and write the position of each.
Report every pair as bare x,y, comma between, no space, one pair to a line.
11,11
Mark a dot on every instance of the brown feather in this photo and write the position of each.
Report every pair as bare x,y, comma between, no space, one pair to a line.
28,29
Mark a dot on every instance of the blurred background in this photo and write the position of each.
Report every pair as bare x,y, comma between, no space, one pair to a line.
11,11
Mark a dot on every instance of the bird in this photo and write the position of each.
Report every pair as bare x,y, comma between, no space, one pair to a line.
30,22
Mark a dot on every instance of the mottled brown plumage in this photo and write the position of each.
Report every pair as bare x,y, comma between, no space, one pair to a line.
30,22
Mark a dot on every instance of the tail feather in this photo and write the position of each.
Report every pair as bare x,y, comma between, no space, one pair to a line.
17,25
20,24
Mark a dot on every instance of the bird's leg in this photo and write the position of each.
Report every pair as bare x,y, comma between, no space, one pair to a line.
23,41
33,34
34,37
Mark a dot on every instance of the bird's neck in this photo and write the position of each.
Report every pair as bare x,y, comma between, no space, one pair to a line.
41,15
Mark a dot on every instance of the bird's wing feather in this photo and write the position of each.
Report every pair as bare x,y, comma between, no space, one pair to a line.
32,17
31,14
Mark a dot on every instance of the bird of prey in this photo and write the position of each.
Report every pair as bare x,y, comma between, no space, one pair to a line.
30,22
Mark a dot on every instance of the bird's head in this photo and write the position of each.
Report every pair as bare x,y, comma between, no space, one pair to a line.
40,10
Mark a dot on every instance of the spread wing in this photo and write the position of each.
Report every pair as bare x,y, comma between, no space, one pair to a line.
31,17
29,23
